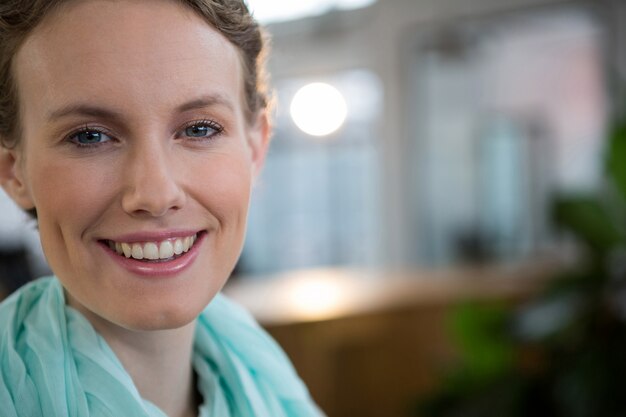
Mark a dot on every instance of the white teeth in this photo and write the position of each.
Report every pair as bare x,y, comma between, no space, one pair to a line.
137,251
166,250
126,249
178,246
153,250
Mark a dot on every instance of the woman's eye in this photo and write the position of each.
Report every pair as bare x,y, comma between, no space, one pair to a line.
202,130
90,137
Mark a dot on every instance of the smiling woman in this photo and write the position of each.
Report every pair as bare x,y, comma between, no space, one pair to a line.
136,146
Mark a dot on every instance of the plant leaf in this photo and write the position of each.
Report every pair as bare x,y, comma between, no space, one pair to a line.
588,220
481,331
616,157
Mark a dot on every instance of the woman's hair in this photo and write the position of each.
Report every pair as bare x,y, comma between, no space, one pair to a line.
18,18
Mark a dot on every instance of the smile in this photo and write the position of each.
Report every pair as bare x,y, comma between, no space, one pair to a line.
162,250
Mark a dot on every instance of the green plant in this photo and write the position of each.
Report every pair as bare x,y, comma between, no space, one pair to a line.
564,353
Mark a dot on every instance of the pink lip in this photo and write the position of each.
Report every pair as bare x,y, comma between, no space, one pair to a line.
156,269
153,236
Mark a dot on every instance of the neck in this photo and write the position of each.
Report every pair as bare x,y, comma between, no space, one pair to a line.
159,363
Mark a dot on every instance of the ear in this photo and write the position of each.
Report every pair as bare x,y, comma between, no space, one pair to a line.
11,177
258,141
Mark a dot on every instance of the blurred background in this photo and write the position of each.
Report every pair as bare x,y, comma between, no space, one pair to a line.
415,208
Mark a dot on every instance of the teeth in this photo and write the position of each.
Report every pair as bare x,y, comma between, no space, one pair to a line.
126,249
137,252
151,251
166,250
154,250
178,247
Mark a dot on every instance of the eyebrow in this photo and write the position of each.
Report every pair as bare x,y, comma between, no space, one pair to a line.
84,109
206,101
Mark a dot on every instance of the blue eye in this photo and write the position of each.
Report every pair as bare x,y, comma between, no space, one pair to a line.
89,137
197,131
204,129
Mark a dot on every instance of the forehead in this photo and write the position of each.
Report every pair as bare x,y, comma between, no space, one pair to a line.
127,53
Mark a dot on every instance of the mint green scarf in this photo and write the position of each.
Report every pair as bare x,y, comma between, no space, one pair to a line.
54,364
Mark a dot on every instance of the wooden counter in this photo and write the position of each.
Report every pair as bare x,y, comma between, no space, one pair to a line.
369,343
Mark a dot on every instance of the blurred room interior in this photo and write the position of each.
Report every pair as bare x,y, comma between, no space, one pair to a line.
439,134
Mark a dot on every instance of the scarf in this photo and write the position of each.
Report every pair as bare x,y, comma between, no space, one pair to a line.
54,364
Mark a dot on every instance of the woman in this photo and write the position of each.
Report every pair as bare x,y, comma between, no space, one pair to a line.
133,130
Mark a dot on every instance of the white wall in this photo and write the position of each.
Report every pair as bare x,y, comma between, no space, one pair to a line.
381,38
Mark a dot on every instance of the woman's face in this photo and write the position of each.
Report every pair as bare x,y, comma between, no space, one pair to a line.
135,141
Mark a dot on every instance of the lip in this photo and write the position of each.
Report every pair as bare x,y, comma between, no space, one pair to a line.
139,237
156,269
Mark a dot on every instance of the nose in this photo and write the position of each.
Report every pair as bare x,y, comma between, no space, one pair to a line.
152,185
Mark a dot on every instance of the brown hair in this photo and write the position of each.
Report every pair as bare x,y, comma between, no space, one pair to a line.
18,18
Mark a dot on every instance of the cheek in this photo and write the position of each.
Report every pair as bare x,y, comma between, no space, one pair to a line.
68,190
224,185
67,197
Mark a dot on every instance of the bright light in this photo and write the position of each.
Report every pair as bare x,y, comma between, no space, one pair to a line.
316,297
318,109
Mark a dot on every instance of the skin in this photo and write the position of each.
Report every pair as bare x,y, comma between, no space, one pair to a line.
141,60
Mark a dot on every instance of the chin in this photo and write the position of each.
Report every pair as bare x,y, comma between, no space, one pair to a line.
159,321
163,317
158,315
